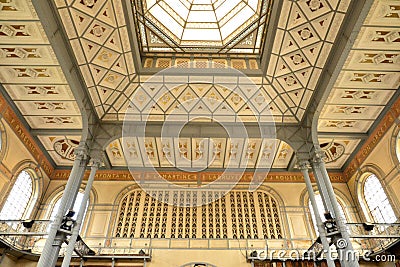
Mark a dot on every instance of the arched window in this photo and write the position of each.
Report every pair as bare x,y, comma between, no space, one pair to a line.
214,215
17,202
377,201
77,205
321,210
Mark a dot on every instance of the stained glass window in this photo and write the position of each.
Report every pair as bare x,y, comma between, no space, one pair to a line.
377,201
321,210
17,201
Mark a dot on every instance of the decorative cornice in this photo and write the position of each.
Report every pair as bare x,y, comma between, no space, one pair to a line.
26,138
204,177
388,120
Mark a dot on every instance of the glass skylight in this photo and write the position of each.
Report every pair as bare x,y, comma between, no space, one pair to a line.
201,25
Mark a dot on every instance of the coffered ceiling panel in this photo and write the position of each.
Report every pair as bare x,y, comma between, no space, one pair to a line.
371,73
224,102
218,152
344,125
99,38
200,152
305,36
30,71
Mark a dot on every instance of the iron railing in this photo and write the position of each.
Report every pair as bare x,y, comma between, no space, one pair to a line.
375,237
30,236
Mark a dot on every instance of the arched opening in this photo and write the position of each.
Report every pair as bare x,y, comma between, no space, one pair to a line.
321,210
19,200
376,203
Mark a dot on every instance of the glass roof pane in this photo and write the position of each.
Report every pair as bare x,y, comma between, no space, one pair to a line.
202,2
253,4
202,16
226,7
179,7
201,25
234,23
196,34
218,3
150,3
202,7
166,20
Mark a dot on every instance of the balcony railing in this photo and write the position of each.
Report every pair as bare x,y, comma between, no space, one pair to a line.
375,237
25,235
30,236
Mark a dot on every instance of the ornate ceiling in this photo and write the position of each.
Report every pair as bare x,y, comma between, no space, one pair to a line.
370,76
99,36
211,152
30,71
117,47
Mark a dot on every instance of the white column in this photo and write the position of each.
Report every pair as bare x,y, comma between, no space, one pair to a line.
346,253
49,255
77,184
75,232
321,229
322,189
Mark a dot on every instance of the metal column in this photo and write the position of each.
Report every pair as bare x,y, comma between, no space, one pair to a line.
322,188
347,255
321,229
75,232
52,246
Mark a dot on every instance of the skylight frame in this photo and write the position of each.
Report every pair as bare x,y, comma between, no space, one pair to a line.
247,40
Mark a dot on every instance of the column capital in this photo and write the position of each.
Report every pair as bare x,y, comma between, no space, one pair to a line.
81,152
303,165
319,154
96,162
96,157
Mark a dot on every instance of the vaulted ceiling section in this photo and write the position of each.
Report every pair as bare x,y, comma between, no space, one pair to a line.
118,45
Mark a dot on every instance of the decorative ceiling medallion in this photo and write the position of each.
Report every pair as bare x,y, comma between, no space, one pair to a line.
333,151
212,26
65,148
